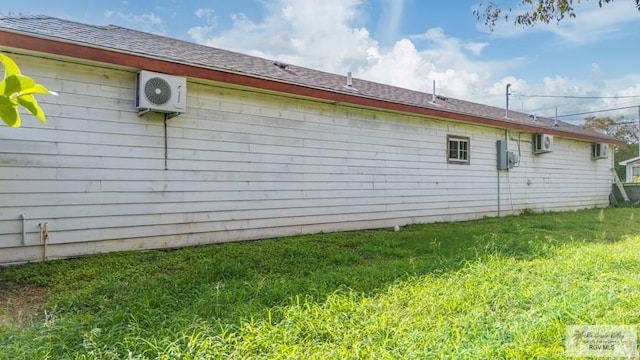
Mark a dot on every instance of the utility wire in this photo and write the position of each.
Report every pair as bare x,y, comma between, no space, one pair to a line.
581,97
598,111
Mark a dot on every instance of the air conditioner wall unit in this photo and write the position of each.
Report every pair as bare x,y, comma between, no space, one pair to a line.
599,151
160,93
542,143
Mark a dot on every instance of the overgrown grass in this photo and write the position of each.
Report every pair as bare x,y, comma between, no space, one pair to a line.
487,289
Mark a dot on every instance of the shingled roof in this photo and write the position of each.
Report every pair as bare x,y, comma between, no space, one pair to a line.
67,38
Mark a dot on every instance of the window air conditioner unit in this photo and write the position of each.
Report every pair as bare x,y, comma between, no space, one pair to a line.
542,143
160,93
599,151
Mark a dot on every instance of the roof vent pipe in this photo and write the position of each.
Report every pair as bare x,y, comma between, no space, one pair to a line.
349,80
555,121
506,112
433,94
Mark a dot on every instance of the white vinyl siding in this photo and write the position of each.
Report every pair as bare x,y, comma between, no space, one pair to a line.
247,165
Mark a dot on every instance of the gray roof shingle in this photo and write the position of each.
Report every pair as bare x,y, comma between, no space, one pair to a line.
149,45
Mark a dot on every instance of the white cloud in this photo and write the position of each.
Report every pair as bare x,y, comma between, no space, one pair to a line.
293,31
591,24
148,22
200,33
208,14
562,93
390,23
297,32
475,48
596,75
623,87
401,66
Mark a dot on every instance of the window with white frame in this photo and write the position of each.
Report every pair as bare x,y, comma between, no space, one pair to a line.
458,149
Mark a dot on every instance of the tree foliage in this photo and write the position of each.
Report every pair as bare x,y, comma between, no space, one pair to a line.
626,131
17,89
533,11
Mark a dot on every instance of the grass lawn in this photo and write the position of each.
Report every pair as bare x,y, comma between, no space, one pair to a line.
497,288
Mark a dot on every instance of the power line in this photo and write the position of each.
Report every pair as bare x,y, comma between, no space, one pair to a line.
582,97
598,111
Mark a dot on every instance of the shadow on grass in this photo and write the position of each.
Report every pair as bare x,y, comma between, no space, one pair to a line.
158,292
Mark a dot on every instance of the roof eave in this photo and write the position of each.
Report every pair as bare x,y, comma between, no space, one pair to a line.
629,161
86,52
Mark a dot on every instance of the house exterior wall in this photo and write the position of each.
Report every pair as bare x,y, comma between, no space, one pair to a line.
248,165
629,172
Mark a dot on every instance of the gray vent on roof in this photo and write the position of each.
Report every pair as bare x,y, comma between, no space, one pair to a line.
281,65
350,82
433,95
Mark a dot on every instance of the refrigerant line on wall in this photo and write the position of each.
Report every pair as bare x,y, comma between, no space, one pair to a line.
166,143
510,194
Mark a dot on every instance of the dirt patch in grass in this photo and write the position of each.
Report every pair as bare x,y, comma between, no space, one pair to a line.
20,304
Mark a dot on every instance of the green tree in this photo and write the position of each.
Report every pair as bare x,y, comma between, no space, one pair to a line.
626,131
531,12
17,89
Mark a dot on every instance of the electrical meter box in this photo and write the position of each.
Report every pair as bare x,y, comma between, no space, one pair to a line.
501,147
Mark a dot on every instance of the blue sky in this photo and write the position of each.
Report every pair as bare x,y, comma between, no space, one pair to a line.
409,43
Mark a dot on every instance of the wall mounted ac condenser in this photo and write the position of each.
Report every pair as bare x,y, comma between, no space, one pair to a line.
599,151
160,93
542,143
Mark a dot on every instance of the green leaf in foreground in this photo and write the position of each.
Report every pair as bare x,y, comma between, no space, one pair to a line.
10,67
29,102
15,84
17,89
9,112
